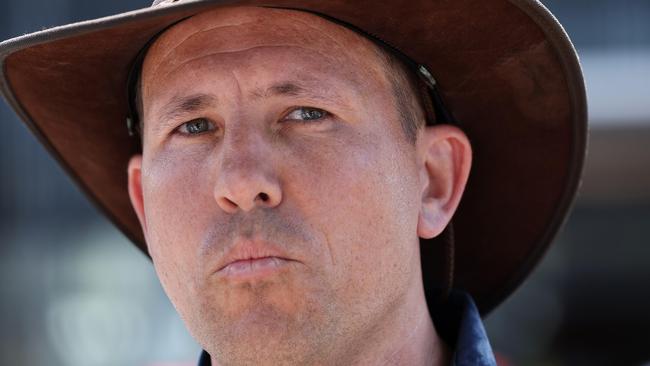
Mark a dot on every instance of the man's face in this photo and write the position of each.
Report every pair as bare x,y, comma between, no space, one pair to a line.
273,135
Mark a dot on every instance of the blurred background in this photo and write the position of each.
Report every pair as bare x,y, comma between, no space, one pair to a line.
74,291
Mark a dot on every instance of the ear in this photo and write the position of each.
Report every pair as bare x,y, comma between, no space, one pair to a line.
444,160
135,189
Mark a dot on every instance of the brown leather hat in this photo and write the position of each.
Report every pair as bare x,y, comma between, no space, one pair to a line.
505,68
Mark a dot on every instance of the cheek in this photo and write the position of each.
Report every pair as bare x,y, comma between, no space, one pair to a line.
362,193
177,202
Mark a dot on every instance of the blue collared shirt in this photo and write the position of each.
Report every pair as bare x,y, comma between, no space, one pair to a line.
458,322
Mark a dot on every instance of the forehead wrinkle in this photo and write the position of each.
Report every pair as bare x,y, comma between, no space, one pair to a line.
218,53
257,22
376,65
300,80
339,42
302,85
185,39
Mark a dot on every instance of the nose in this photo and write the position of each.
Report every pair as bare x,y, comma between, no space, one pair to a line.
247,176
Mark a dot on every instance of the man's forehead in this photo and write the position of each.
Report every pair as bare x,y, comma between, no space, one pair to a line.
264,24
260,52
230,31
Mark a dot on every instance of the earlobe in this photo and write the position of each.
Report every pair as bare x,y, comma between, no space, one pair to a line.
429,220
444,158
135,189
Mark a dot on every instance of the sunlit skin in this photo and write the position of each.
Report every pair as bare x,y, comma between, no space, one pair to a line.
294,149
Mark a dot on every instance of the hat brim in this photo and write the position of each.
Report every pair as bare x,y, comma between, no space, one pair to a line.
506,69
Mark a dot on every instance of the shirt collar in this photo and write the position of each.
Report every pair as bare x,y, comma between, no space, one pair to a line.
459,323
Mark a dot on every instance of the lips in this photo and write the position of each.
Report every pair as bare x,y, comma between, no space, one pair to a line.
249,259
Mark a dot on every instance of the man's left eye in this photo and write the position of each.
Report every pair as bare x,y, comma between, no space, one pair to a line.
305,114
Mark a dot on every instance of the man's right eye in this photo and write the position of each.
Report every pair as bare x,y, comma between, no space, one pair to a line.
196,126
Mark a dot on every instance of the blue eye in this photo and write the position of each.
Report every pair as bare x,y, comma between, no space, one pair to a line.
196,126
306,114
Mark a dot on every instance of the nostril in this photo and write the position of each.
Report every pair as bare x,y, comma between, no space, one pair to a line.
227,204
264,197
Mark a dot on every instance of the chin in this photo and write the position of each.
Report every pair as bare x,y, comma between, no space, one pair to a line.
264,323
266,334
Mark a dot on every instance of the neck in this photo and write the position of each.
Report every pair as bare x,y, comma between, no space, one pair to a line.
406,336
420,346
415,340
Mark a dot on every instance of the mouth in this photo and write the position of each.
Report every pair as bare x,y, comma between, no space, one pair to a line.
253,260
249,268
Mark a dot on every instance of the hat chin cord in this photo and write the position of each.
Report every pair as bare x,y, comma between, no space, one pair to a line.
448,241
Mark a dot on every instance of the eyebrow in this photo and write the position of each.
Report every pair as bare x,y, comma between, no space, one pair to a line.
299,89
180,105
283,88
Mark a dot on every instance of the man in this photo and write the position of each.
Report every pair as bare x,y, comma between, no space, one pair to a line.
296,172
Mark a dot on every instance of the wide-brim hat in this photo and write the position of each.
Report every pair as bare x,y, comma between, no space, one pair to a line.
506,70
